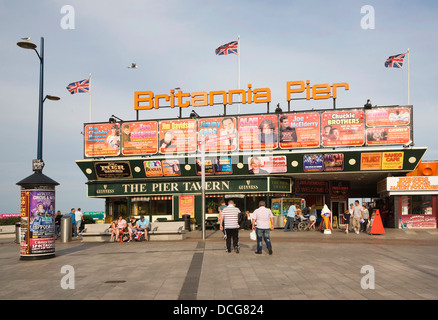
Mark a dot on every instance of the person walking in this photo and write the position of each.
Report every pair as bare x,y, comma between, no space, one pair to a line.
222,207
73,222
58,224
230,217
357,215
79,217
290,219
347,215
312,218
265,223
366,216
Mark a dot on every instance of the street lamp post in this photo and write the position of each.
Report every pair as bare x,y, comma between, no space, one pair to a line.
37,240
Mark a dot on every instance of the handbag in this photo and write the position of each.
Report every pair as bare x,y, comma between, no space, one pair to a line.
252,235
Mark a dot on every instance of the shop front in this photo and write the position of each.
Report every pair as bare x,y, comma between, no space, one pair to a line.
171,199
410,202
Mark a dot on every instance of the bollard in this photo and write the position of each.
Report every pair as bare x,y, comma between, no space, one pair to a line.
186,218
66,228
18,232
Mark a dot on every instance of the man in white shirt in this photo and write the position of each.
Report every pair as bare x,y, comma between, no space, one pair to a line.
79,217
265,222
230,216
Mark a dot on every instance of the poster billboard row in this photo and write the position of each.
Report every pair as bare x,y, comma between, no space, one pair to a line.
380,126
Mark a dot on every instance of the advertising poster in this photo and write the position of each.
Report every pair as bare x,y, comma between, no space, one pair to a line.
139,137
301,130
334,162
267,165
392,160
177,136
153,168
258,132
388,135
313,162
24,229
220,134
39,237
371,161
343,128
382,117
208,166
223,166
102,140
171,168
186,205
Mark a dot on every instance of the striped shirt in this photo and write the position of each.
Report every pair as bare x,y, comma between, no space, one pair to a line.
231,217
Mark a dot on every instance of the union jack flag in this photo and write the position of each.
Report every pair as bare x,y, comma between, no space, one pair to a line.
395,61
227,48
79,86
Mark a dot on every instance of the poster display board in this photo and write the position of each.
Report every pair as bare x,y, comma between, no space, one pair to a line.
177,136
258,132
343,128
102,140
300,130
220,134
37,223
380,126
139,138
186,205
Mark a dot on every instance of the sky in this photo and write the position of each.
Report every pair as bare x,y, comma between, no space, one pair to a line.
173,42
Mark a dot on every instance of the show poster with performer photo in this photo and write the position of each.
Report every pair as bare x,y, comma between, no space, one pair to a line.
171,168
383,117
40,223
102,140
177,136
301,130
139,138
220,134
388,135
343,128
258,132
267,165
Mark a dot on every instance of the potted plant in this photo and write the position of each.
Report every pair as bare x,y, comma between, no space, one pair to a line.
212,206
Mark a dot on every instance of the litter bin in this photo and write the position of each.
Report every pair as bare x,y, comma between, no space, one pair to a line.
186,218
17,232
66,228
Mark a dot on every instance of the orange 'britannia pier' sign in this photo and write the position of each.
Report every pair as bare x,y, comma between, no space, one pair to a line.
146,100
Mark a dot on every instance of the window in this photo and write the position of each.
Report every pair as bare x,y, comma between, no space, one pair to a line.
416,205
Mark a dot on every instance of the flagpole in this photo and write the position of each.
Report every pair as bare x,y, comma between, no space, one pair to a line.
408,76
90,94
238,66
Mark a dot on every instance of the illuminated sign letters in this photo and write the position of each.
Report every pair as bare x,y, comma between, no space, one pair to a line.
146,100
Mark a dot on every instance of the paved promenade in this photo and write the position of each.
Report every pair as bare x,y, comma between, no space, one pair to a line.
399,265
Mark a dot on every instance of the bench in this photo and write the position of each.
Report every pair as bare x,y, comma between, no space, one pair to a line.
167,230
7,231
96,232
211,222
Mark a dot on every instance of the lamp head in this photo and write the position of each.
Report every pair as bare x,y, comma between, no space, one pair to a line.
26,45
